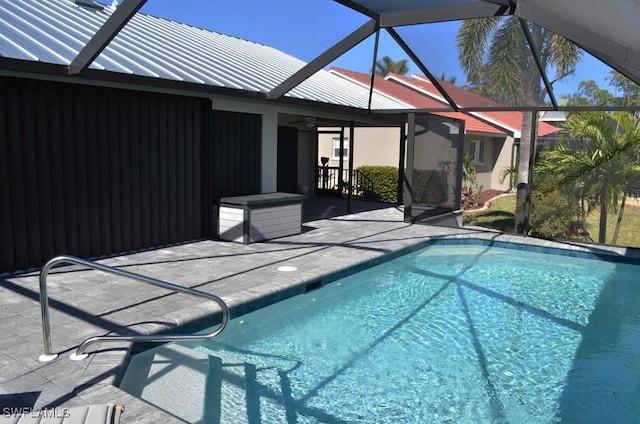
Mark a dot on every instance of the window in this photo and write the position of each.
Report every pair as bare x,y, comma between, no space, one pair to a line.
477,151
336,148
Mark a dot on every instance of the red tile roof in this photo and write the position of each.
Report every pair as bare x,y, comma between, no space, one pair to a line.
420,93
418,100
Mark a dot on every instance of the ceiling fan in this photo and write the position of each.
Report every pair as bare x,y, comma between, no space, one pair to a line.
312,122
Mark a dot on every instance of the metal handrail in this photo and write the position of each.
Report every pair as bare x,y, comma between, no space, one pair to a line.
79,353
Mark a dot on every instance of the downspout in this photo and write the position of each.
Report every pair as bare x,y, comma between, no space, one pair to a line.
351,143
401,164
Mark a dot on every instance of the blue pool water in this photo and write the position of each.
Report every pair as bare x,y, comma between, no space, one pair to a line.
449,333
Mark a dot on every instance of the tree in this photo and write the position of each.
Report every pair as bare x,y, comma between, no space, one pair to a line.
387,65
560,171
629,90
450,79
590,94
497,60
607,168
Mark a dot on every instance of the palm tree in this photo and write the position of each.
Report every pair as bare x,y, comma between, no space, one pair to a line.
562,169
497,61
450,79
510,172
607,169
387,65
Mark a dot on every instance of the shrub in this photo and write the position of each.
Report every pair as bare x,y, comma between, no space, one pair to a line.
553,214
380,183
429,187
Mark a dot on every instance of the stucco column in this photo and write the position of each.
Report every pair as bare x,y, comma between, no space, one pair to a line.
269,151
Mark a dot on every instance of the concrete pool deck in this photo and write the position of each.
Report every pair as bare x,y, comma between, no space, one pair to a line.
86,303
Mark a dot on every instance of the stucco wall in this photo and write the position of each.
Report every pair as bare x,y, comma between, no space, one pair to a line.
503,160
380,146
372,146
497,156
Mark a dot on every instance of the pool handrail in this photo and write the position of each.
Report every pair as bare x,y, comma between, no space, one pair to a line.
153,338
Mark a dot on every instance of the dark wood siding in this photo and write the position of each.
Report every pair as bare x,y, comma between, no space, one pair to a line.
235,154
288,159
91,171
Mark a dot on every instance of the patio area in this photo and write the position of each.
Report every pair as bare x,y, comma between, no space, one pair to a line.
90,303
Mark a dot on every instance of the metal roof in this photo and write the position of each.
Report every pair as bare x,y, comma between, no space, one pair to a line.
120,40
55,31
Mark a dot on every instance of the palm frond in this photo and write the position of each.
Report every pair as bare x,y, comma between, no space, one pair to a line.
563,55
507,57
473,38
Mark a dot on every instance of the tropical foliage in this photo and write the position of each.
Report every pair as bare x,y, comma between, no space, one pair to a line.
383,181
510,172
387,65
470,187
497,60
604,171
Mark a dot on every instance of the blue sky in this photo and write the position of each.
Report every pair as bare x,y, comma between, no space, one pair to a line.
306,28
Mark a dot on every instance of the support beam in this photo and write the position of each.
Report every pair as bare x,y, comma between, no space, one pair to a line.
536,57
401,167
107,32
423,68
481,9
373,68
408,177
324,59
351,145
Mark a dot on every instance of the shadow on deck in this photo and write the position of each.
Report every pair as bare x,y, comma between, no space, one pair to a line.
323,207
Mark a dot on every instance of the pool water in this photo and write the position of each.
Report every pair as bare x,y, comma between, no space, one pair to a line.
448,333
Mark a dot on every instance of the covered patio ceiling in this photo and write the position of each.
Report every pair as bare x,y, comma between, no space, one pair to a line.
607,31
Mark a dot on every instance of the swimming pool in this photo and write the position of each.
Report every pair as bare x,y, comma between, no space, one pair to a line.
448,333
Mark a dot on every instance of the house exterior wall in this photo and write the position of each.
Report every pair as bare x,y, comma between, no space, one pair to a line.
503,160
497,156
372,146
269,149
485,167
91,171
380,146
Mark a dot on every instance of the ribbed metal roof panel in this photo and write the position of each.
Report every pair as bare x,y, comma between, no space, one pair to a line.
54,31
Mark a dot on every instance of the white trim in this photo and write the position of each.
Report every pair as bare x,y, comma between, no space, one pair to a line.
345,150
478,151
418,89
380,93
515,133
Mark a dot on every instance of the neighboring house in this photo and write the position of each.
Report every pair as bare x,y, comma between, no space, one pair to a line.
489,136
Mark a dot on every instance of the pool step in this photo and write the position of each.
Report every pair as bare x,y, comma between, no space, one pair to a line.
198,385
240,391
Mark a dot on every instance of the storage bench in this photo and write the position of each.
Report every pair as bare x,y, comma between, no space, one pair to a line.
257,217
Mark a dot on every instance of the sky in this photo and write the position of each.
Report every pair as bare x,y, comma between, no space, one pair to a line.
306,28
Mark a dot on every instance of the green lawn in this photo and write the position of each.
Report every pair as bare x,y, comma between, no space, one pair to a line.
500,216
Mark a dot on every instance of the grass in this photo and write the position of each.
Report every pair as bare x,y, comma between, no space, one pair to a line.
629,230
500,216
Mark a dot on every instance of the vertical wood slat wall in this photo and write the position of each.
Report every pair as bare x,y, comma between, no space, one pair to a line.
90,171
235,154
